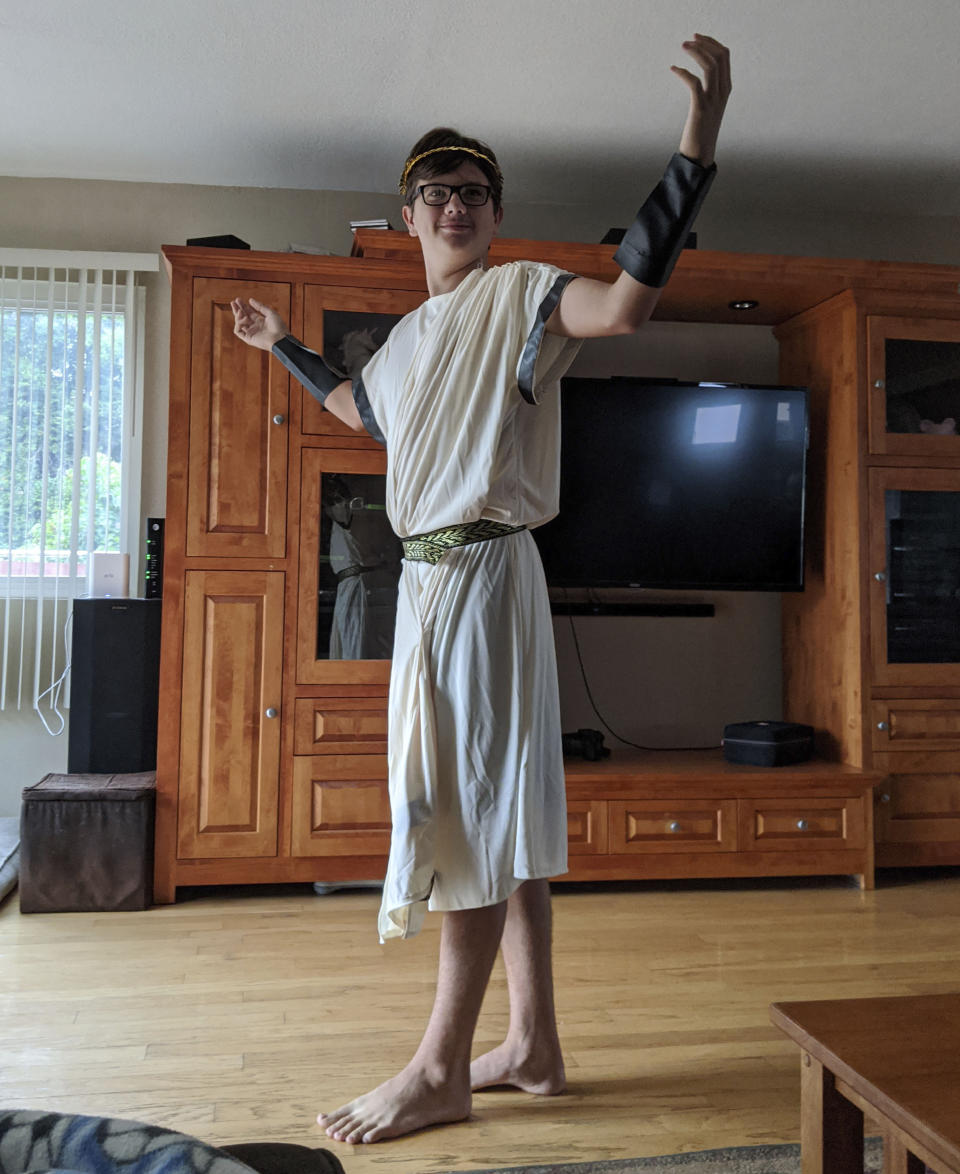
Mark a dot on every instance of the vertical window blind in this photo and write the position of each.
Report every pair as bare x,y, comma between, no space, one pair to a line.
71,331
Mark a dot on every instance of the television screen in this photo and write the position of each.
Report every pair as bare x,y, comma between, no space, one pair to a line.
678,485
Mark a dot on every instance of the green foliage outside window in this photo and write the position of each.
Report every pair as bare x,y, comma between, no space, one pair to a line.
45,435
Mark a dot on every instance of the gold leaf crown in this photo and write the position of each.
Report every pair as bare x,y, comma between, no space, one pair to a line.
411,163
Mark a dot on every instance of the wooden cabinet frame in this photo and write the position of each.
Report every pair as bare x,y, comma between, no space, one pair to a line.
331,712
837,674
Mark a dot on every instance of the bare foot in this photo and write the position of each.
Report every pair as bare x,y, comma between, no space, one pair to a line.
541,1073
406,1102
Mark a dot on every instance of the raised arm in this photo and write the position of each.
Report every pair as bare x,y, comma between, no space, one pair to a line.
260,326
649,250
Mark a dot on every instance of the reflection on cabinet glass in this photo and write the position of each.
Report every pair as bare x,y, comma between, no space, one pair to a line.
923,576
351,337
359,569
913,369
922,385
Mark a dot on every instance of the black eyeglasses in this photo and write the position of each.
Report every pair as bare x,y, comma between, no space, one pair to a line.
475,195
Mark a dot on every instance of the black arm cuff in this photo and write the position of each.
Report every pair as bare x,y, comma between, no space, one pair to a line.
653,242
307,366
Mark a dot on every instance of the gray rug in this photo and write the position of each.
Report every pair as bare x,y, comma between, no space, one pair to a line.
747,1159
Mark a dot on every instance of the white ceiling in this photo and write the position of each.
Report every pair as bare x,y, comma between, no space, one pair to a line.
845,104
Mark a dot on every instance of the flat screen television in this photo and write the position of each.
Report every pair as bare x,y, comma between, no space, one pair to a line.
675,485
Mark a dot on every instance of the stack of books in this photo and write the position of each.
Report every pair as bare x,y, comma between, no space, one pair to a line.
376,223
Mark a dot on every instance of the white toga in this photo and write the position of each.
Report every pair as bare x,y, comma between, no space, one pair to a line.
475,761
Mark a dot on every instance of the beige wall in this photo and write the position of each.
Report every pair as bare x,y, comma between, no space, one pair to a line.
664,680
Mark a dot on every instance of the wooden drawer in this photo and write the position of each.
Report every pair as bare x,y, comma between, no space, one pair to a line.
586,827
915,725
673,825
340,806
777,825
340,725
918,809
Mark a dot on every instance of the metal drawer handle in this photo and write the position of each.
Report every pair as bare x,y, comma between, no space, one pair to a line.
884,798
880,576
271,712
673,826
278,419
883,725
802,825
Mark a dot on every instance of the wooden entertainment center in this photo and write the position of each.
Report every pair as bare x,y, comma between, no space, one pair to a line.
271,756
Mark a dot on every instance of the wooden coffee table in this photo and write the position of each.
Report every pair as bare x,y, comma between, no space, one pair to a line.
895,1059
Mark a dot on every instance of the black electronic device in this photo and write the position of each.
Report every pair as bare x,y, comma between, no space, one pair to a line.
586,744
767,743
225,240
114,686
153,563
672,485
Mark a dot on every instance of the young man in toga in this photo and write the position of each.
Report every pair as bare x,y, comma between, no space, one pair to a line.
465,396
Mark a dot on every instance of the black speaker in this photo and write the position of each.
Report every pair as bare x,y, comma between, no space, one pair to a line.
114,686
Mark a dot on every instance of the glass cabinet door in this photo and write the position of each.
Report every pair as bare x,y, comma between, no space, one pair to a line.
347,324
349,569
915,576
914,378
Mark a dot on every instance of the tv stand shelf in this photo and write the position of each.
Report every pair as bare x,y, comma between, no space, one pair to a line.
650,815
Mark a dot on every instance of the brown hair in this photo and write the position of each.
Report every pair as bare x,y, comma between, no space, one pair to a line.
446,149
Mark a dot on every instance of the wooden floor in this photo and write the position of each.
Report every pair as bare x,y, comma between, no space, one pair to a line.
235,1015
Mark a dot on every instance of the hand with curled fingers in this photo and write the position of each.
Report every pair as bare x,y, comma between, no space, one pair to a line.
708,97
257,324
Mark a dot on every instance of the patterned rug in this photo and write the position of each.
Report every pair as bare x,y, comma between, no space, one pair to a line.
748,1159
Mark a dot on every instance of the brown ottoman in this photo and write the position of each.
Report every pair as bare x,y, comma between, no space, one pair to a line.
86,843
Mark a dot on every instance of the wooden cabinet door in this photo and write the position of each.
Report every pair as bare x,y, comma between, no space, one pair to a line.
795,824
914,576
341,806
919,809
237,475
916,726
673,825
340,725
230,721
913,376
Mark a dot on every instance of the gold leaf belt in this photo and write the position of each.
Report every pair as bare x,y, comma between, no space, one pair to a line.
430,548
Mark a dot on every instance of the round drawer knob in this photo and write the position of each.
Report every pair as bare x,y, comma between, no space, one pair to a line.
802,825
883,725
271,712
278,419
881,576
884,798
878,383
673,826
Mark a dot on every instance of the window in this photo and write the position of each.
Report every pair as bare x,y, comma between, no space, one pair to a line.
71,328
